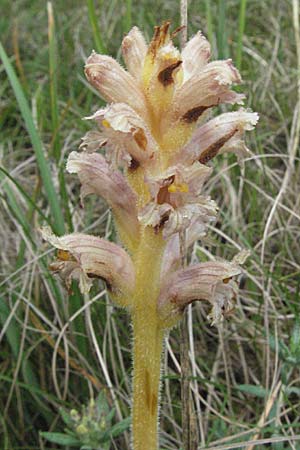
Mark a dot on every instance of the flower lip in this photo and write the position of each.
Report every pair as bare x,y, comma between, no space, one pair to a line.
134,49
98,177
211,281
126,133
113,82
84,257
220,134
176,199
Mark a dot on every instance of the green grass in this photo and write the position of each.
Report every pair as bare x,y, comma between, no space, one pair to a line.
45,364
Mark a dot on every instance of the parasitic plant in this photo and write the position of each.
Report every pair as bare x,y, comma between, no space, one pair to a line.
158,139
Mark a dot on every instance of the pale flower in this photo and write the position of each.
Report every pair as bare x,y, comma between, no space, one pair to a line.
211,281
176,201
84,257
98,177
126,135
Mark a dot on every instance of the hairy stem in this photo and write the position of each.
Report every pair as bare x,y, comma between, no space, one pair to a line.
147,343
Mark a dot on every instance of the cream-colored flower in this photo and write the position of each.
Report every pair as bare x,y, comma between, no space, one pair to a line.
113,82
127,135
195,55
134,50
219,135
176,201
211,281
83,258
98,177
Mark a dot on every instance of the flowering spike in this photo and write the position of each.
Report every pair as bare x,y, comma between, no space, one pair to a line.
157,146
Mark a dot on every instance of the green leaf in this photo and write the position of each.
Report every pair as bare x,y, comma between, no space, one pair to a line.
102,405
66,417
120,427
295,340
110,416
60,438
256,391
292,390
116,430
282,347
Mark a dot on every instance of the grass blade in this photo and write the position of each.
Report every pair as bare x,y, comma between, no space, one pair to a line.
221,32
242,20
95,29
209,21
53,82
24,194
12,332
53,71
58,223
128,16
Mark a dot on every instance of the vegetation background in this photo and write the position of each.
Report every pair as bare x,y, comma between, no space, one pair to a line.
59,350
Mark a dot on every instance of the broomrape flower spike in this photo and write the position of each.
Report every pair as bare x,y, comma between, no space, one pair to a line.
148,158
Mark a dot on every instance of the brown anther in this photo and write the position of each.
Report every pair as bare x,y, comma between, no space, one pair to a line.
226,280
163,195
140,138
165,76
163,220
176,31
159,38
214,149
192,115
134,165
64,255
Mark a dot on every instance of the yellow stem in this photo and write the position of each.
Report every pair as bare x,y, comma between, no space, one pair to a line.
147,342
